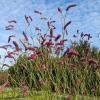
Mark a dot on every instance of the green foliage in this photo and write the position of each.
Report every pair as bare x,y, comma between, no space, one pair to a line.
1,74
58,75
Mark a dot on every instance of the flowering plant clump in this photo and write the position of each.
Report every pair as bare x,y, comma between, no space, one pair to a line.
51,67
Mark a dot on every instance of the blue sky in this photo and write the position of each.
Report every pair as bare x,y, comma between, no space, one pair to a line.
85,17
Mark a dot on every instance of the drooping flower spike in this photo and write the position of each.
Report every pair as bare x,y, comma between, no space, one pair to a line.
9,38
43,38
12,21
3,47
67,25
48,43
23,44
74,36
60,62
61,43
51,33
58,36
7,45
25,36
53,26
97,67
30,48
70,52
6,65
53,21
33,56
66,32
15,43
82,34
92,61
59,9
44,18
37,28
16,46
89,36
30,18
36,11
10,56
43,67
3,86
26,17
9,53
9,26
72,65
48,23
72,5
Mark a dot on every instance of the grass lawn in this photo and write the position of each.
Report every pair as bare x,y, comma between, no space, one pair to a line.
16,94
